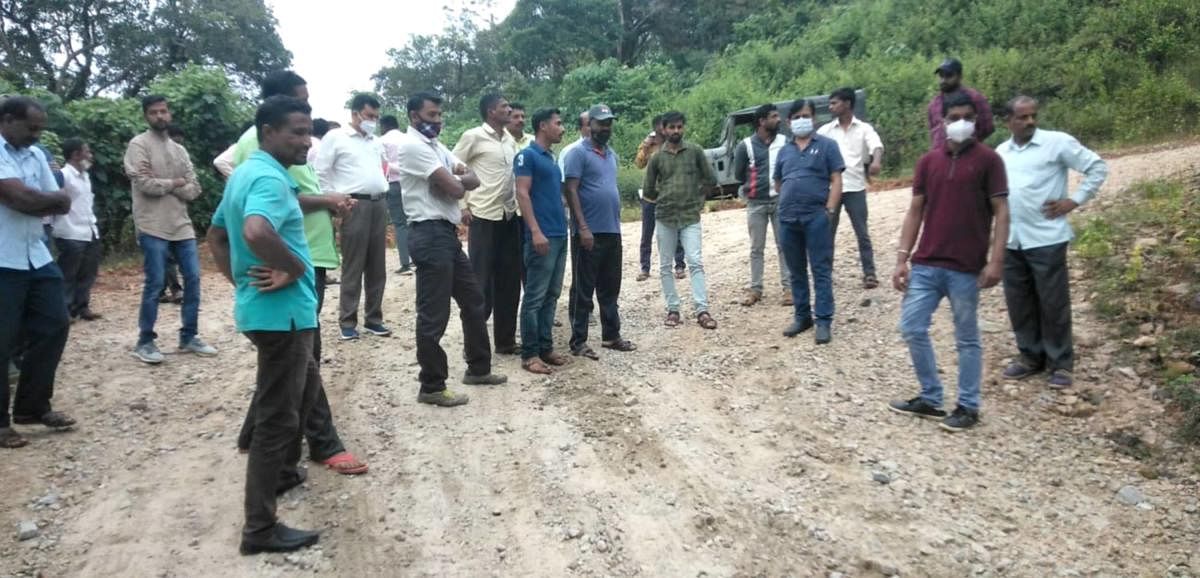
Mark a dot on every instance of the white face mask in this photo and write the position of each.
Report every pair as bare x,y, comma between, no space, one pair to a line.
368,126
960,130
802,127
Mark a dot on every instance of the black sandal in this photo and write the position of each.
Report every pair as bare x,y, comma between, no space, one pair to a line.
619,345
54,419
586,351
10,439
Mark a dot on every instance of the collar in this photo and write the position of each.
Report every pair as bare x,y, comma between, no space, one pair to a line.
353,132
683,145
535,145
837,123
591,145
500,134
4,143
755,137
70,169
265,157
811,141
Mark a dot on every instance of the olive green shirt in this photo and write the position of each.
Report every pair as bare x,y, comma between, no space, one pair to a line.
677,182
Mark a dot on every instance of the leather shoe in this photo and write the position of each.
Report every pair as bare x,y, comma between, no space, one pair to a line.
89,315
798,327
279,538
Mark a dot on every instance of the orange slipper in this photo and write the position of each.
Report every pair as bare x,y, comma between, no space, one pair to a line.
346,464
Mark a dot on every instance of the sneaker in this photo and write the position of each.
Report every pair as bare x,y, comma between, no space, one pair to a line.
377,329
444,398
961,419
198,347
1060,379
824,334
489,379
406,270
349,334
148,352
798,327
917,407
1019,370
751,298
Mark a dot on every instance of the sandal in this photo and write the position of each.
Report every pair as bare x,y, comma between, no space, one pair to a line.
870,282
706,321
54,419
12,440
346,464
680,273
619,345
672,319
586,351
535,365
556,359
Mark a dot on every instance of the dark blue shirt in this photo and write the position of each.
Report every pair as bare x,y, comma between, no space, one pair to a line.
545,192
598,194
805,176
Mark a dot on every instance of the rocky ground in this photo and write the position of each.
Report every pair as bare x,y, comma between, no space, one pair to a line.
734,452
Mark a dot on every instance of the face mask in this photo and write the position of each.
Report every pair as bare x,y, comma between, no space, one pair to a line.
802,127
960,130
368,126
430,129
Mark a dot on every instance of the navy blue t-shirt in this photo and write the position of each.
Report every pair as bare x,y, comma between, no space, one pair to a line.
805,176
545,192
598,194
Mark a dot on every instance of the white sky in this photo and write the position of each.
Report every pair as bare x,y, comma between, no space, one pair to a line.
337,47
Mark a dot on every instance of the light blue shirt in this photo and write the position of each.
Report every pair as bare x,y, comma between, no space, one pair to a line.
1037,173
22,244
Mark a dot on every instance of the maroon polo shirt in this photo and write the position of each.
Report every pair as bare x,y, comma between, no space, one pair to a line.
957,224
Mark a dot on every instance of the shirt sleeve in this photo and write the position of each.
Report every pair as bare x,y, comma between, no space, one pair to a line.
47,179
324,163
741,162
218,217
997,178
192,189
523,165
573,163
246,144
418,160
267,198
137,168
8,167
224,161
650,181
1084,160
918,186
874,143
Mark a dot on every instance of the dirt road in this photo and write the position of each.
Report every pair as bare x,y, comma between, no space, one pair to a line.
734,452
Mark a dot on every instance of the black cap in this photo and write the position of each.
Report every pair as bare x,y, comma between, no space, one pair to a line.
600,112
949,66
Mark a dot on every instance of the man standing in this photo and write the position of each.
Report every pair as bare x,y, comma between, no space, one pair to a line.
434,182
1036,280
266,259
76,234
959,195
647,149
754,162
808,175
490,213
678,179
585,132
391,139
539,193
859,144
32,311
516,126
595,201
351,162
164,182
950,73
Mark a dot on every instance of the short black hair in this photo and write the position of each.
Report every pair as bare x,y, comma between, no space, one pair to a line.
1010,107
363,100
543,115
762,112
320,127
281,83
18,107
516,106
389,122
276,109
956,99
656,121
72,146
844,94
487,102
418,100
673,117
799,104
150,100
175,130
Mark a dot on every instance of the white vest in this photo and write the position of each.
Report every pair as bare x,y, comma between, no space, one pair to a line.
772,154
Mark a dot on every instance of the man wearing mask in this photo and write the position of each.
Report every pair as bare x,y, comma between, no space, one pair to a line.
76,233
808,176
960,202
392,136
1036,281
647,149
32,311
754,160
950,73
164,182
516,127
490,212
595,201
351,162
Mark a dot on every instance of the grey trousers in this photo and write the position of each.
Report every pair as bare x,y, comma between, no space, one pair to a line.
364,261
1038,293
855,203
758,216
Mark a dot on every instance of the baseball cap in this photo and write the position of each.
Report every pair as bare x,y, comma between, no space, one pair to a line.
949,66
600,112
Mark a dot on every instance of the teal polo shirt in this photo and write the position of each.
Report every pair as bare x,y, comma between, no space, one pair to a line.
261,186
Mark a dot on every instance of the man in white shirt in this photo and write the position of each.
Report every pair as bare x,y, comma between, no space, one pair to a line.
75,233
391,139
1036,280
351,162
585,132
859,145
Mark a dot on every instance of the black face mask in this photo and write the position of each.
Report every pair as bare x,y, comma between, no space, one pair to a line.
601,138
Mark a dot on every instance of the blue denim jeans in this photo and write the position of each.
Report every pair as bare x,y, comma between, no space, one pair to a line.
809,241
926,288
154,264
543,285
395,204
689,237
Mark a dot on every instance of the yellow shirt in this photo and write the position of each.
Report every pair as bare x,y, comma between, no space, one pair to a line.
489,154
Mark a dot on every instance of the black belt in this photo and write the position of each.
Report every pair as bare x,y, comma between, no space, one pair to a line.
368,196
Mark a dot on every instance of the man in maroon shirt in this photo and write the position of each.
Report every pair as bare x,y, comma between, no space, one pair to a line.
950,81
959,190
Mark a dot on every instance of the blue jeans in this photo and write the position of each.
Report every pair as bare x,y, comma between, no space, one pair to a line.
689,237
809,241
543,285
926,288
154,264
395,204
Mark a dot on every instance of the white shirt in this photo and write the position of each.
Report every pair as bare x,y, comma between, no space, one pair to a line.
562,156
351,163
391,153
80,223
314,150
1037,173
420,157
856,145
224,161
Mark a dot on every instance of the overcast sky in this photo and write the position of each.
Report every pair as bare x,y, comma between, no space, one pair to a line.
337,47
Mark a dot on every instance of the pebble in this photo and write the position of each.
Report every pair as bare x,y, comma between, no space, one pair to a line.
881,477
602,546
27,530
574,532
1145,341
1130,496
48,500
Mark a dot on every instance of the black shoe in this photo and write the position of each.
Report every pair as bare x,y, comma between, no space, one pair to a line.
961,419
292,481
279,539
918,407
798,327
824,334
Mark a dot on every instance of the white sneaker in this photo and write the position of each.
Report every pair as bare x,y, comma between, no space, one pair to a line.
148,352
198,347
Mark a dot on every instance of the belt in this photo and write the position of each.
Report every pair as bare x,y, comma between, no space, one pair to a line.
368,196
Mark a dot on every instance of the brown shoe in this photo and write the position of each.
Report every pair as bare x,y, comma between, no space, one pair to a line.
751,298
786,301
643,276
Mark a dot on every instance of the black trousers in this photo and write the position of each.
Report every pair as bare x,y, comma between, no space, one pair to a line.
595,273
33,319
495,252
1038,293
80,263
323,439
287,385
444,273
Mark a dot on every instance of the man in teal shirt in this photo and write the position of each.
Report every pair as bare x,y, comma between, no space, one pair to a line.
267,260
